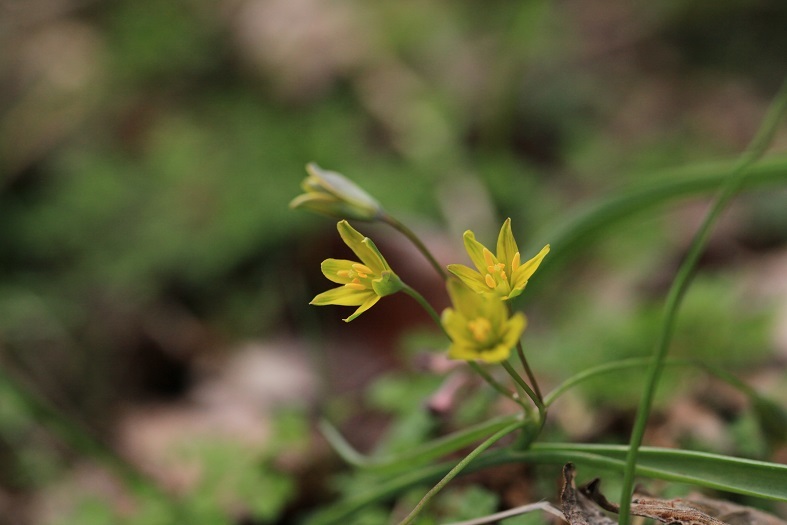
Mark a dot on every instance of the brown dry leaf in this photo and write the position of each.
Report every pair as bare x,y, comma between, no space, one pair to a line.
695,510
733,513
577,508
667,511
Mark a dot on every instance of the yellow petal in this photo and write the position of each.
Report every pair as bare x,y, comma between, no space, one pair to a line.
475,250
469,276
466,301
331,268
495,355
506,245
365,306
315,201
463,352
343,296
513,330
455,325
368,255
527,269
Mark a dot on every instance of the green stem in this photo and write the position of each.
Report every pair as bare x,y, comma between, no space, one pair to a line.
641,362
457,469
679,286
528,371
425,305
478,369
525,365
532,395
419,455
407,232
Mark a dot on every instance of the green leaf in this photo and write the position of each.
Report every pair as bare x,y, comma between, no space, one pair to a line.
731,474
583,228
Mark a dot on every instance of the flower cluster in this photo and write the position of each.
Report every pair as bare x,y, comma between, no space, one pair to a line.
479,323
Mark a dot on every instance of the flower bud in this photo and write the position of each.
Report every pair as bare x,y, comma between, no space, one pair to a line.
332,194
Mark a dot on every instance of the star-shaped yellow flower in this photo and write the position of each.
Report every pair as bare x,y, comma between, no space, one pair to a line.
479,325
363,283
503,274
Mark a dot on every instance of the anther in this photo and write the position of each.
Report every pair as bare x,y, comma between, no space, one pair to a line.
480,328
343,273
488,257
355,286
362,269
490,281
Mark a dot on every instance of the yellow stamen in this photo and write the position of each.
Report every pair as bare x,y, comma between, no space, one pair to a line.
515,262
361,269
355,286
490,281
480,327
503,275
489,258
343,273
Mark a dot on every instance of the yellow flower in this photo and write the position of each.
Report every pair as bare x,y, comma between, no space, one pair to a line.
503,274
479,325
363,283
332,194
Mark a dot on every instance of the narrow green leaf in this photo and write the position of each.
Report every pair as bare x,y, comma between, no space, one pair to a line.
584,227
419,455
731,474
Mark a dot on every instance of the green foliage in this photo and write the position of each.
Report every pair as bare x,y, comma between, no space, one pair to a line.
234,482
168,192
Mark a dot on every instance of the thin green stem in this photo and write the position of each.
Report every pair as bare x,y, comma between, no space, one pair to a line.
639,363
679,286
419,455
425,305
523,384
407,232
528,371
457,469
478,369
525,365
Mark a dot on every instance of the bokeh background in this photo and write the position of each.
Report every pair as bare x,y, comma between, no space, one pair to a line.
154,284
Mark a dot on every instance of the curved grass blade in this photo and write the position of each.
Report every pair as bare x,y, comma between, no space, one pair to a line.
741,476
419,455
731,185
587,225
642,364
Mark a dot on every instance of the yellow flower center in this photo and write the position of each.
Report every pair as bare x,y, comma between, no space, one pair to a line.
480,327
497,270
359,276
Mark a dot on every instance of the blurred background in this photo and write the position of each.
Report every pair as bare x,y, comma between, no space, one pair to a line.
155,333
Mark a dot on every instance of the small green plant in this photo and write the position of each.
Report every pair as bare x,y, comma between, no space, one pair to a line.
484,331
